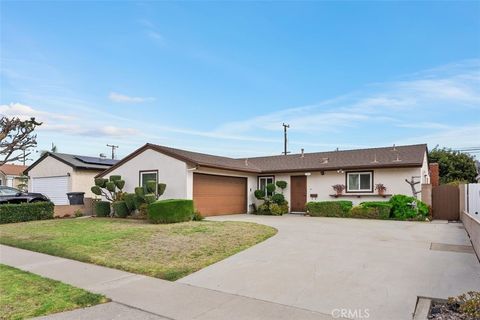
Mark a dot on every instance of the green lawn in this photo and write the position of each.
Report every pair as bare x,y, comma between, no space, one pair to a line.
168,251
26,295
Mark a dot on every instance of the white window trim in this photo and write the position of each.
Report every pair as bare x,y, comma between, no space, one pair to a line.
359,184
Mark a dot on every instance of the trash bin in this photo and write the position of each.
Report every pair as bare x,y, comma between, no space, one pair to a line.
75,197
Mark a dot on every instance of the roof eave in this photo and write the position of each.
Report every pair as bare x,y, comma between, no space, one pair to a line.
347,168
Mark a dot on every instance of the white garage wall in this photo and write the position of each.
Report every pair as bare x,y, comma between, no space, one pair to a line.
50,167
171,171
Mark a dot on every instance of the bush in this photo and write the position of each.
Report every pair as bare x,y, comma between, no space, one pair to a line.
281,184
402,208
271,188
259,194
278,198
21,212
170,211
197,216
120,208
101,208
129,199
272,209
329,208
372,211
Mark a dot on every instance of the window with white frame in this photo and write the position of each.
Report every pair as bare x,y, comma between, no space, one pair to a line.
263,181
147,176
359,181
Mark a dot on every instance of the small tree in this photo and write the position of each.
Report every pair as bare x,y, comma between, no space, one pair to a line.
453,165
16,137
23,185
281,184
110,188
273,203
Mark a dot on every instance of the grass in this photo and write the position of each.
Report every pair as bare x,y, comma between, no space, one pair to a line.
168,251
26,295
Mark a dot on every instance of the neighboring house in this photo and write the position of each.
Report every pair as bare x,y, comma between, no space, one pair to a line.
55,174
10,175
222,185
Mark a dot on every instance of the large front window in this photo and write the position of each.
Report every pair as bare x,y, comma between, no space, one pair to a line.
359,182
262,183
147,176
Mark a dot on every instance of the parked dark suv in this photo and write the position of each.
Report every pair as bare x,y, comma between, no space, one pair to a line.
12,195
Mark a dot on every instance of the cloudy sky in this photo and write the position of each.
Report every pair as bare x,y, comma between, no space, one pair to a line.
222,77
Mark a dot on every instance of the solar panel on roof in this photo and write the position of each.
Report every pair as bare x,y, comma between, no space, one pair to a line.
95,160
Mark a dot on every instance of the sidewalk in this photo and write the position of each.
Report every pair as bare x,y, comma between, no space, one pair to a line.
154,297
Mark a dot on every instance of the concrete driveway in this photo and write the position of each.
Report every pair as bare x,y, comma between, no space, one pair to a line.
368,267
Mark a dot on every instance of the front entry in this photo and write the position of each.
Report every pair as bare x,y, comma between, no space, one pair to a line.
298,193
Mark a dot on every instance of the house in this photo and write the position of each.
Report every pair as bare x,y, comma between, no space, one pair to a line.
55,174
10,175
222,185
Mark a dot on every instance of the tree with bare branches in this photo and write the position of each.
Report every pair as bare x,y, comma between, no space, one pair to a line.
16,136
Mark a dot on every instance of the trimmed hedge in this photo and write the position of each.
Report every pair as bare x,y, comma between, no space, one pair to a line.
10,213
101,208
120,208
272,209
170,211
371,212
329,208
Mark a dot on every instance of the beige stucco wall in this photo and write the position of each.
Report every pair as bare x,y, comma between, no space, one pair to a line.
393,179
50,167
171,171
83,180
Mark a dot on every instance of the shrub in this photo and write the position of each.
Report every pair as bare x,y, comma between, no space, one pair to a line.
278,209
129,199
78,213
114,178
170,211
21,212
278,198
197,216
150,198
377,211
281,184
120,208
329,208
402,208
259,194
271,188
101,208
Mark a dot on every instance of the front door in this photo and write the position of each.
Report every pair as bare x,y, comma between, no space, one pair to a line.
298,193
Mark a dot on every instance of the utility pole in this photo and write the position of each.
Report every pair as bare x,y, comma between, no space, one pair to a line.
113,149
285,126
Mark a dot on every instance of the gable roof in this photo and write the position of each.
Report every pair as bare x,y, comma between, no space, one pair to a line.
12,169
76,161
386,157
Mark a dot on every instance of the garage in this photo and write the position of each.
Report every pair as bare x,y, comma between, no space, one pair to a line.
217,195
55,188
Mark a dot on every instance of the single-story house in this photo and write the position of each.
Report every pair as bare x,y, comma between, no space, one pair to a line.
222,185
55,174
10,175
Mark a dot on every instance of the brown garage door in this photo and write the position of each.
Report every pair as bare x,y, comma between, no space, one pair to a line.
216,195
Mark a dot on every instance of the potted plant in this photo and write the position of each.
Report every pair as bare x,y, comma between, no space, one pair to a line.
380,188
338,188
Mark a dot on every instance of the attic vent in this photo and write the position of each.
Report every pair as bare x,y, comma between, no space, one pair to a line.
397,159
324,160
303,153
246,162
375,158
394,147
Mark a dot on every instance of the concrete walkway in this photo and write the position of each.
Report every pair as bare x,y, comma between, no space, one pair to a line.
323,264
142,297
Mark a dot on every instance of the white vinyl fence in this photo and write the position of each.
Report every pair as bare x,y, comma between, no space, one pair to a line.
472,200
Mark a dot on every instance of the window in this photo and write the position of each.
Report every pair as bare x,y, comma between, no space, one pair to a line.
6,191
359,182
263,181
147,176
